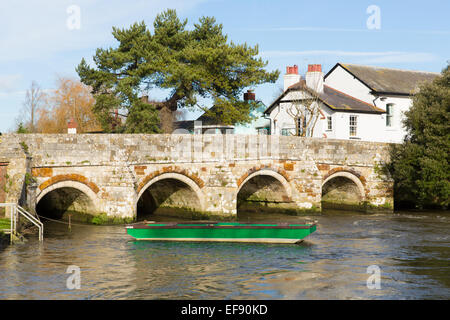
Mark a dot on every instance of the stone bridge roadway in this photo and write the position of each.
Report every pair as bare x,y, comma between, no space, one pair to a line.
208,175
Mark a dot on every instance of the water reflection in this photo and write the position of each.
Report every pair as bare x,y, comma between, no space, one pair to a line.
412,251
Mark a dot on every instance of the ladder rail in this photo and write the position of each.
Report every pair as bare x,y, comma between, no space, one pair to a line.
33,220
15,211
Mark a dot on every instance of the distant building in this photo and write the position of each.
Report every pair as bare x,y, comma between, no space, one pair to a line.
207,125
260,124
72,126
355,102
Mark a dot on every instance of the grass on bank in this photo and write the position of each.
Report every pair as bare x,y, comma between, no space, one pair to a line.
103,219
5,223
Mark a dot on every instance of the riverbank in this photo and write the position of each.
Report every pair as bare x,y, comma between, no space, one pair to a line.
5,223
4,238
86,218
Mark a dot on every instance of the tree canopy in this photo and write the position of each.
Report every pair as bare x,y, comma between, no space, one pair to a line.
193,65
420,166
51,112
70,100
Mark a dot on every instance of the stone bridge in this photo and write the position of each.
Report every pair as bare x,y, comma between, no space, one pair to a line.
208,176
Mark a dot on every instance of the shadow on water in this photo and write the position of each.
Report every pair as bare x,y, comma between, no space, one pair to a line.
201,245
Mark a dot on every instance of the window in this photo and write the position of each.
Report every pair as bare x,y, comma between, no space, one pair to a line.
285,132
353,126
329,123
301,126
389,114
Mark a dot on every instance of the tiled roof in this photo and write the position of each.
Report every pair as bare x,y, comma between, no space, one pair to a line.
206,120
340,101
183,124
387,80
334,99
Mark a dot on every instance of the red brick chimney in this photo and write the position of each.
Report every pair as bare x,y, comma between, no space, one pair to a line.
291,77
72,126
249,95
314,77
315,68
292,70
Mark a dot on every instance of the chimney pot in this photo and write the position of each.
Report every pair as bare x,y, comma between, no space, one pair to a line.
291,77
249,95
314,77
292,70
315,68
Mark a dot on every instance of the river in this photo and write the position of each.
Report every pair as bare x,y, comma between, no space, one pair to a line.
411,250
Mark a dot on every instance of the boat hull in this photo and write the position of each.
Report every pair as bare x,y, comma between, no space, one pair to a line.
222,232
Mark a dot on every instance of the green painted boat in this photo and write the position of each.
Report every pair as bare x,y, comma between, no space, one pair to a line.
221,231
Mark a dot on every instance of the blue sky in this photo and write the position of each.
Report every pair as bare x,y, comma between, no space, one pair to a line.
36,43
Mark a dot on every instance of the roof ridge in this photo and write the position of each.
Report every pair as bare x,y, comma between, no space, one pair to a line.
371,105
394,69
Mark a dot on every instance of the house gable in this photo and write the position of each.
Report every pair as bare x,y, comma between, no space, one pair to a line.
384,81
343,80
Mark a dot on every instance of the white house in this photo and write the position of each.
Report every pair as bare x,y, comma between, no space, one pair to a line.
352,102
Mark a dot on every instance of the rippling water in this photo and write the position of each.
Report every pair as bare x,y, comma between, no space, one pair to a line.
412,251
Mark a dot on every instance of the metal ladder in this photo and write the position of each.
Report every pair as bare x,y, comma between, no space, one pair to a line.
15,212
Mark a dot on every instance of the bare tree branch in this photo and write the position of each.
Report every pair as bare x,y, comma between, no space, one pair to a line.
305,112
34,98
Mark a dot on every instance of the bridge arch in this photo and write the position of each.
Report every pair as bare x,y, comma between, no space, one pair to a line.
67,184
170,193
264,190
75,178
68,195
343,190
266,172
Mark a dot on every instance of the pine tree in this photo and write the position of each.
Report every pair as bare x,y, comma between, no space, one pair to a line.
420,166
193,65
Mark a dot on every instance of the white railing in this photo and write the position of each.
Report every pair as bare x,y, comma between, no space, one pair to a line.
15,212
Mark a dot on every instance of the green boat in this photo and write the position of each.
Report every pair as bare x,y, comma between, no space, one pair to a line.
221,231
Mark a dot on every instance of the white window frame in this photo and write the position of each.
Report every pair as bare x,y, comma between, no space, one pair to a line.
353,126
389,115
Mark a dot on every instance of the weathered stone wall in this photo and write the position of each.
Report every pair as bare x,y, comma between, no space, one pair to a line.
14,164
3,176
114,171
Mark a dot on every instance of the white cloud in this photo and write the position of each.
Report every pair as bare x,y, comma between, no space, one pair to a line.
411,31
402,57
365,57
310,29
9,82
